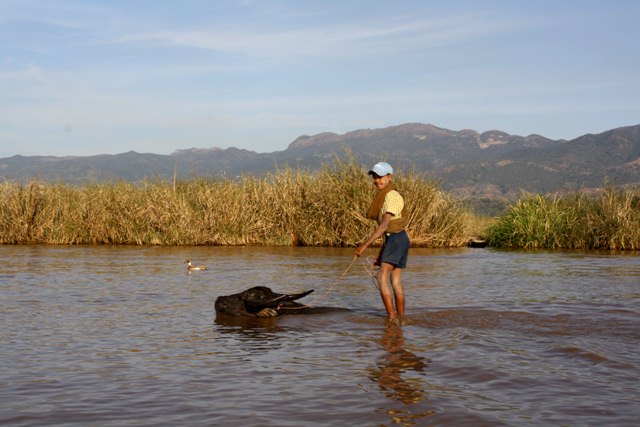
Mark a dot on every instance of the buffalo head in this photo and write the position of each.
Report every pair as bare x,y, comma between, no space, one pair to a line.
260,301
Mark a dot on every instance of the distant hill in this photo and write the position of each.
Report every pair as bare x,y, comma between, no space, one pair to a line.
492,164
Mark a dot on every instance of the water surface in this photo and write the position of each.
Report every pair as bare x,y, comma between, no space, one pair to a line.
119,336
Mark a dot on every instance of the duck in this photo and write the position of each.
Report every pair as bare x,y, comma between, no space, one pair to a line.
191,268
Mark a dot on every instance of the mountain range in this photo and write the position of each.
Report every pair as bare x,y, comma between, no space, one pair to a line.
491,164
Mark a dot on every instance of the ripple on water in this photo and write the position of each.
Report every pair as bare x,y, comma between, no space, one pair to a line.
492,338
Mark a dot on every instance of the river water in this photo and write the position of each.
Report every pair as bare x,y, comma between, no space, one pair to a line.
123,336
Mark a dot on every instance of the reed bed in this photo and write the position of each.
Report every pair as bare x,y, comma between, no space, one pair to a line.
609,220
285,208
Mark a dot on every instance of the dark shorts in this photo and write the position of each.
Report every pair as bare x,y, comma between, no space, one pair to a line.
396,249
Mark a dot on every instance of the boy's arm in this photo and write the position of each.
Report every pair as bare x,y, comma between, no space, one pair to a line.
379,231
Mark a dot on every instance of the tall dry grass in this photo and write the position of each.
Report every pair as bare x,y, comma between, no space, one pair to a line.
287,207
609,220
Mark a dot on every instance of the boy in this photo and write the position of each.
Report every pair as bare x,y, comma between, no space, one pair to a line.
388,210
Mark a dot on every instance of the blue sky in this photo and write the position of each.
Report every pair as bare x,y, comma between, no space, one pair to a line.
83,77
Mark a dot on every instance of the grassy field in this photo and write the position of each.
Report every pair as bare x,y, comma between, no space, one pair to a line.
288,207
292,207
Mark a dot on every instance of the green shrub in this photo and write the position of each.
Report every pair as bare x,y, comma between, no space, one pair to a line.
609,220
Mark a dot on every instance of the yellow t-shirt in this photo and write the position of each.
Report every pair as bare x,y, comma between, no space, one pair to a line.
393,203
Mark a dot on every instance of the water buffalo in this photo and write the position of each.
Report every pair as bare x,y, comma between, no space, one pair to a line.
261,301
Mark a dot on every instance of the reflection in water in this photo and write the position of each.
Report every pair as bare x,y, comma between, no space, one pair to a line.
251,334
246,324
392,373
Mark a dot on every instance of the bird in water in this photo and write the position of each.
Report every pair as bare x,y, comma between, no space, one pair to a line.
191,268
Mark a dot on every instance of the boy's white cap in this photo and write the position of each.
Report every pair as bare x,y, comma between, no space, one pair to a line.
381,169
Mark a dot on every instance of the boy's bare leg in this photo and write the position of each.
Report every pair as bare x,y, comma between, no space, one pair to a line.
386,292
398,290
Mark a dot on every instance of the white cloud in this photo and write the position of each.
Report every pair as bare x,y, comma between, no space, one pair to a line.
382,37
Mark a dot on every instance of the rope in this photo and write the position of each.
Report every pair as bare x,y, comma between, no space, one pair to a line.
335,282
370,273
